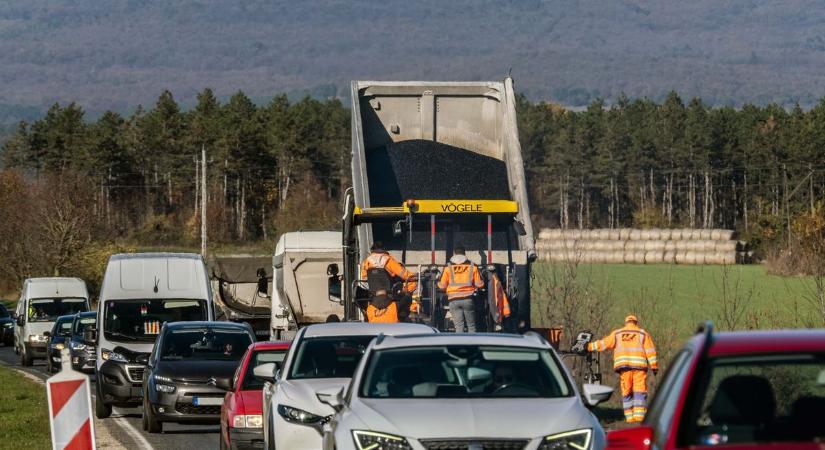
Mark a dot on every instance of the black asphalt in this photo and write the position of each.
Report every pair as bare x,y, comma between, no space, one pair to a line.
175,436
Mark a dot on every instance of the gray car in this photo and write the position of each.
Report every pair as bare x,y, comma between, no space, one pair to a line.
462,391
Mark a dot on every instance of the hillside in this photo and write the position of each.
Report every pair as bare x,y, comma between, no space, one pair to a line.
116,54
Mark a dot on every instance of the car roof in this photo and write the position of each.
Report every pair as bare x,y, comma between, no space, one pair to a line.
365,329
270,345
67,318
491,339
207,324
87,314
770,341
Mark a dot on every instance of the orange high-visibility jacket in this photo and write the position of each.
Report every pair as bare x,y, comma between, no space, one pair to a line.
498,299
632,346
383,260
460,280
386,315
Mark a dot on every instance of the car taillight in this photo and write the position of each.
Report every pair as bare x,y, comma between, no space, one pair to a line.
636,438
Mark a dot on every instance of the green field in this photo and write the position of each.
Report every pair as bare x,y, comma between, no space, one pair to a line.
674,298
24,415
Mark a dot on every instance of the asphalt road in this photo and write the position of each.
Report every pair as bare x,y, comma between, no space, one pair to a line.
125,427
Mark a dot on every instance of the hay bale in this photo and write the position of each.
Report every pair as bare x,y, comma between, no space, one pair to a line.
655,246
644,234
725,235
681,257
550,233
687,234
676,234
654,257
655,234
613,235
728,257
624,234
695,234
635,235
670,246
669,257
705,234
639,256
724,246
664,234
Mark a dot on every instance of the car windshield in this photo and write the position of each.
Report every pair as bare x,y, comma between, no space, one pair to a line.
194,344
464,371
49,309
63,327
762,399
256,359
329,357
81,323
141,320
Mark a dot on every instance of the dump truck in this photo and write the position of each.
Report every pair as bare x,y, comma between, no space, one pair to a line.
300,281
436,165
240,285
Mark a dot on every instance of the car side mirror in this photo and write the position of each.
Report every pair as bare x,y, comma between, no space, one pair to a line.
224,383
47,333
595,394
21,320
636,438
332,396
90,336
266,372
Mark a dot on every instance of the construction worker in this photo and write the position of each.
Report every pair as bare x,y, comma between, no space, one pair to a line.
633,355
460,280
380,270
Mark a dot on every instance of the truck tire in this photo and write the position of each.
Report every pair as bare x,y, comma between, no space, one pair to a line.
25,359
102,410
153,425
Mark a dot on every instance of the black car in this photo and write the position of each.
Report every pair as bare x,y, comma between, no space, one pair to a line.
58,339
82,354
6,327
188,363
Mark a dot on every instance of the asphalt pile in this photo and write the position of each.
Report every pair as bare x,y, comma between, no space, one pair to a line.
422,169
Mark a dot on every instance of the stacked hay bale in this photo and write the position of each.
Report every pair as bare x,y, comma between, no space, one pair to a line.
648,246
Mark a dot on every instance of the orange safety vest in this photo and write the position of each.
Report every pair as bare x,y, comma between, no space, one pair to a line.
632,346
386,315
460,280
383,260
499,304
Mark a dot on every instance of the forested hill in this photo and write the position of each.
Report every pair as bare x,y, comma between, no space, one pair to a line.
116,54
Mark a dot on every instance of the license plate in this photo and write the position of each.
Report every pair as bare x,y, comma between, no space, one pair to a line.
207,401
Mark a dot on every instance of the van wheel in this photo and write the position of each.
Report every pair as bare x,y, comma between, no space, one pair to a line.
153,425
25,360
102,410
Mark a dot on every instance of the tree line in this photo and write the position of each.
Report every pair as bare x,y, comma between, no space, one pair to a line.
284,165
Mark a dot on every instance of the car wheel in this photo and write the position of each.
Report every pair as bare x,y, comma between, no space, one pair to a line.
153,425
102,410
25,360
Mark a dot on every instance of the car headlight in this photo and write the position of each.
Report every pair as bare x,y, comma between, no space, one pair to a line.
578,440
8,325
74,345
248,421
165,388
108,355
37,338
59,346
291,414
369,440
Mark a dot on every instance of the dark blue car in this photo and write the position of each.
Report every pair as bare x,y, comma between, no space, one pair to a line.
58,340
6,327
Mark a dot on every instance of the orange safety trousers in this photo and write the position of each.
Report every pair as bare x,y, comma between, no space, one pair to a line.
634,394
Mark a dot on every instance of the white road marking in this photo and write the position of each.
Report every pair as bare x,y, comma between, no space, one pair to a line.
132,432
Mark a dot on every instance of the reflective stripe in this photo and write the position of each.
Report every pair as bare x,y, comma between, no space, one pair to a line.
453,281
378,260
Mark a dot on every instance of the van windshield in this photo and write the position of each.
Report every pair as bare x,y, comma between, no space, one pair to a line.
49,309
141,320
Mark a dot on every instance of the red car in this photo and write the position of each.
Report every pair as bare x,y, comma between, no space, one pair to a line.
241,423
741,390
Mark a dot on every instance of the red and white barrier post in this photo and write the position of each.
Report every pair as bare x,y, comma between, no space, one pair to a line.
70,408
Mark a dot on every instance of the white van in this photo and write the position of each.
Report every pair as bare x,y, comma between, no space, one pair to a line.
141,292
41,302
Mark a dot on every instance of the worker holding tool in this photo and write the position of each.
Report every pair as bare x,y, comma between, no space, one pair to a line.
633,355
460,280
381,271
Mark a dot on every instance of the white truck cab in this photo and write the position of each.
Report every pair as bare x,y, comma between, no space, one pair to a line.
41,302
140,292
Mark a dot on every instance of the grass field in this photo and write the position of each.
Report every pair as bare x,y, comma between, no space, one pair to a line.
24,415
741,296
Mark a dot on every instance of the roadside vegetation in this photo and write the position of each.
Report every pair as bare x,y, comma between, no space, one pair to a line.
24,413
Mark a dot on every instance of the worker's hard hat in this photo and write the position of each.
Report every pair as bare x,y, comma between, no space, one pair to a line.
631,318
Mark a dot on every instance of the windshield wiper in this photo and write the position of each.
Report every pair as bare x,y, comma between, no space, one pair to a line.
121,335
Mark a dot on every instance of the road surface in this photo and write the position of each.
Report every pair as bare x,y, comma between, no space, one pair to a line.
125,429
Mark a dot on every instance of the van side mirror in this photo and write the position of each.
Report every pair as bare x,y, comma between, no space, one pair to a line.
47,333
333,283
263,283
332,270
519,227
21,320
595,394
90,335
332,396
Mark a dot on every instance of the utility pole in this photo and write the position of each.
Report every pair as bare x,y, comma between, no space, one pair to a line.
203,200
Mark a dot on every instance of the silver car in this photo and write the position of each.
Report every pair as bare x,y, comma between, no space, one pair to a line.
462,391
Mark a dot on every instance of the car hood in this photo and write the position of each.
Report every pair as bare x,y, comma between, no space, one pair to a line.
198,371
476,418
301,393
6,320
40,327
